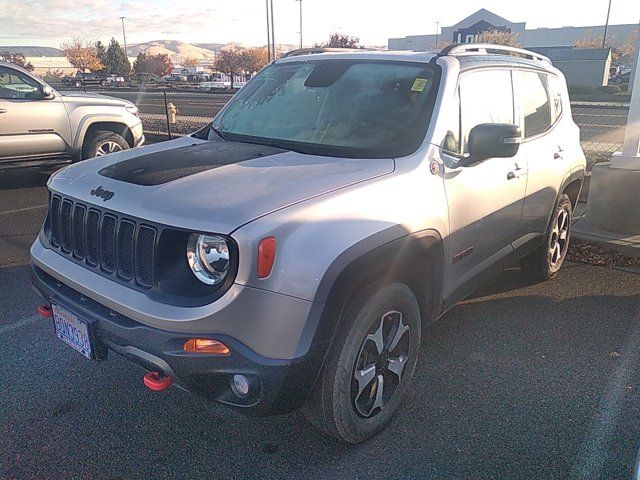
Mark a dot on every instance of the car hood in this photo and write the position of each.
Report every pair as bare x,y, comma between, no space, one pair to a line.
209,186
92,99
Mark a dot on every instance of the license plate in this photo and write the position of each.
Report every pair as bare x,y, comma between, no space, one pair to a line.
72,330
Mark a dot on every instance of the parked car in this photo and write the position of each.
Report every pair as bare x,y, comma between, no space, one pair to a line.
289,253
115,80
142,78
88,79
621,78
214,85
42,127
175,78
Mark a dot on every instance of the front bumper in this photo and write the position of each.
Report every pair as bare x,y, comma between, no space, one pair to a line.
277,385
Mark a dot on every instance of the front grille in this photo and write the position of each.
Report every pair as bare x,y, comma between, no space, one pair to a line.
104,241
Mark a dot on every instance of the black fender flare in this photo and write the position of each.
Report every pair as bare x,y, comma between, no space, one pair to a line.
386,254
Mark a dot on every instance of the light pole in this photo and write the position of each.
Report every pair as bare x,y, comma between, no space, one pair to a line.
124,36
268,32
606,26
300,22
273,29
437,33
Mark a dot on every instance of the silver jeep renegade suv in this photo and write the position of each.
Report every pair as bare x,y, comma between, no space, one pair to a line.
289,253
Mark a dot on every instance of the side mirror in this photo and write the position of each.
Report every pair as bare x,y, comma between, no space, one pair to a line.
47,93
493,140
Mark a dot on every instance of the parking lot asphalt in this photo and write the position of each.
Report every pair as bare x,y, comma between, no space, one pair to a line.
521,380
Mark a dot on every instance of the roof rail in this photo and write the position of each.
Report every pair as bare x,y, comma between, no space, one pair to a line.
307,51
490,49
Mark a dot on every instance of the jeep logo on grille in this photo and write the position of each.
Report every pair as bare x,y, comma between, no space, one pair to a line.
102,193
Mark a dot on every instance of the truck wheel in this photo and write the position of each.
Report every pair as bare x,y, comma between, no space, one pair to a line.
370,365
103,142
545,263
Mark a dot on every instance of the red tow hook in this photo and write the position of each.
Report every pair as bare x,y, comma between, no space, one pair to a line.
45,311
157,382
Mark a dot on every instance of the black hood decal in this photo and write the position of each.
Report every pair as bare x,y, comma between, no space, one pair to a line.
162,167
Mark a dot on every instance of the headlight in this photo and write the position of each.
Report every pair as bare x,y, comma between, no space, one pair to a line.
132,109
208,257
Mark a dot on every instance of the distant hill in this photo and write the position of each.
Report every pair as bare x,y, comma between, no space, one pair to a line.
174,48
32,51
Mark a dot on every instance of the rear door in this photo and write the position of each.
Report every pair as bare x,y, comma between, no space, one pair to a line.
486,198
539,110
30,126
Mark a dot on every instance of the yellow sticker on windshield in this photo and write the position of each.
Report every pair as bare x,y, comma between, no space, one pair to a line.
419,84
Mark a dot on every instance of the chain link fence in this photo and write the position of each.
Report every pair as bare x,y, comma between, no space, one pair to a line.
172,113
602,127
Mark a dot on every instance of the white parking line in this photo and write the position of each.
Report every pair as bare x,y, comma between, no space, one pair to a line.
594,450
24,209
19,324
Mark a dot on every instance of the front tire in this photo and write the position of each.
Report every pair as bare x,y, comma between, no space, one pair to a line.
103,142
370,365
545,263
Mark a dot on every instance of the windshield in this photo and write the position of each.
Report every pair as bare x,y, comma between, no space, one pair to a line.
334,107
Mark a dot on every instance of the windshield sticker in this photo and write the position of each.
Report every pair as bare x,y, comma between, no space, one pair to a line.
419,84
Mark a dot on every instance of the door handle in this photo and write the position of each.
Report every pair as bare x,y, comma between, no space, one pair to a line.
3,110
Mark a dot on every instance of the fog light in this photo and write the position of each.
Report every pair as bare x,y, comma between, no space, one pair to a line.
240,385
205,345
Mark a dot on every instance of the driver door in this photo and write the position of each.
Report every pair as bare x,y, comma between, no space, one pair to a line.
30,126
485,198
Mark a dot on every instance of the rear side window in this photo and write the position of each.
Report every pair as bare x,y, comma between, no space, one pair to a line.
535,102
486,96
555,92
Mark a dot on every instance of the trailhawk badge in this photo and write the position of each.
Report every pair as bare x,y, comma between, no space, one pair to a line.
102,193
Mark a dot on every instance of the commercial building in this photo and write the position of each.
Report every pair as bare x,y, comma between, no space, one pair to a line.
468,30
582,67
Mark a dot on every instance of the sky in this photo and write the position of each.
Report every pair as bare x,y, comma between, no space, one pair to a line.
51,22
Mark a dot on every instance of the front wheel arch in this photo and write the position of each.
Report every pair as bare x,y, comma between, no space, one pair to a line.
116,127
418,262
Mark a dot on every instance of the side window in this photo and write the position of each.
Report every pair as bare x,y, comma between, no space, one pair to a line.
535,103
555,92
486,96
451,142
15,85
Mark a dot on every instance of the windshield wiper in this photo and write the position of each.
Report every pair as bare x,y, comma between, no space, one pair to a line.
217,132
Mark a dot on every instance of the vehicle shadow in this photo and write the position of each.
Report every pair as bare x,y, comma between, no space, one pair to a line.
23,178
511,383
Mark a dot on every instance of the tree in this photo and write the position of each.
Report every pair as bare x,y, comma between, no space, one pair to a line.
338,40
116,60
101,52
253,59
618,49
442,44
189,62
588,42
82,54
628,46
230,61
499,37
16,59
159,64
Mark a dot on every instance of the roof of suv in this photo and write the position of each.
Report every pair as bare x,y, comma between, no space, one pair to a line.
469,55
